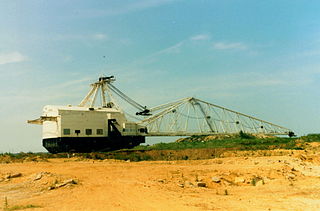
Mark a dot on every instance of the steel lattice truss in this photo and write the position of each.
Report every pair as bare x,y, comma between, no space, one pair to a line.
185,117
191,116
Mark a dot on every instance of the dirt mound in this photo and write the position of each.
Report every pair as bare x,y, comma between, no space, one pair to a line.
21,157
208,138
223,137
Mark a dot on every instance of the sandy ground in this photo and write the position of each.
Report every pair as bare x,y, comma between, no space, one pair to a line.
234,183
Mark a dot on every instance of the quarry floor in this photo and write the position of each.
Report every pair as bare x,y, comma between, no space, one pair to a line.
289,182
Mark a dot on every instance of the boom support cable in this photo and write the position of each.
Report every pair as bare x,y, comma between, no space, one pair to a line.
187,116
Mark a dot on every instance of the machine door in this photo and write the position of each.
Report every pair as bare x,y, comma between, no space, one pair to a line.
113,130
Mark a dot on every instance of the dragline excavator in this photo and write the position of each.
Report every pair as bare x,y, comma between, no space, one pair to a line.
89,127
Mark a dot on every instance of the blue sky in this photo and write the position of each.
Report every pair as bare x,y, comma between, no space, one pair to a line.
258,57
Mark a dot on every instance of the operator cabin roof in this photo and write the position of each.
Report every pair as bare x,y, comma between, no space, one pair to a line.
55,108
52,111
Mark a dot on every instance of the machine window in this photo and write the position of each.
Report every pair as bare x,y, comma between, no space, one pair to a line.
142,130
66,131
88,131
99,131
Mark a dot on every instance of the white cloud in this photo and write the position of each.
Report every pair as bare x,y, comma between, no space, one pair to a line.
64,93
67,58
13,57
253,80
229,46
99,36
123,8
147,4
81,37
172,49
200,37
71,83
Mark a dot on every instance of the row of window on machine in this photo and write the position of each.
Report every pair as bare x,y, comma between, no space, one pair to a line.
67,131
